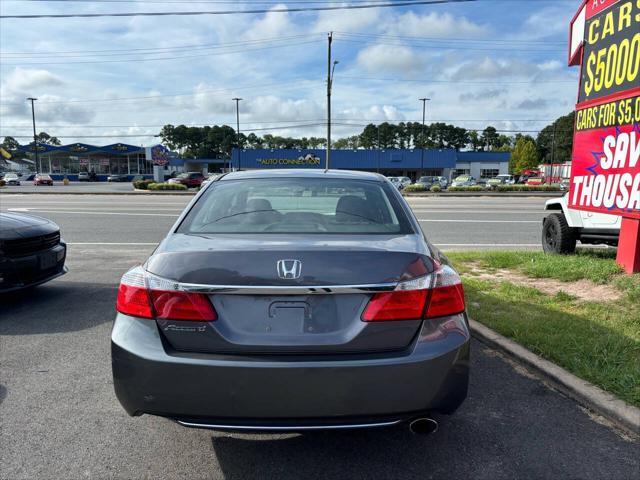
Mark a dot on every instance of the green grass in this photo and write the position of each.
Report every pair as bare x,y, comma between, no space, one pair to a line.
595,340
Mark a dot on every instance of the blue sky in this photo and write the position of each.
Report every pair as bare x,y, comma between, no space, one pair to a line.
498,62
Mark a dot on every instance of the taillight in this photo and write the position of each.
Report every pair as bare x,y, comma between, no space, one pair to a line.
143,295
442,289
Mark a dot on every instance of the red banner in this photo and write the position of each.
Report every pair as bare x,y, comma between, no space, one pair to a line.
594,7
605,171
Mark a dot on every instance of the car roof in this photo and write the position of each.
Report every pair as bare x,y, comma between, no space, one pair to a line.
303,173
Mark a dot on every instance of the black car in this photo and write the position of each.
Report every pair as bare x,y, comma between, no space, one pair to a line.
31,251
293,300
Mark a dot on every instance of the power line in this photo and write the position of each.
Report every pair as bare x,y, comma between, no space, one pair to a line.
466,48
145,59
159,50
449,40
236,12
469,82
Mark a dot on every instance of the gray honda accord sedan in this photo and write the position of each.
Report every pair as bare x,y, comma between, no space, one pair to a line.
292,300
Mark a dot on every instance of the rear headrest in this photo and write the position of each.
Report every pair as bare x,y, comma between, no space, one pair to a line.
255,204
350,208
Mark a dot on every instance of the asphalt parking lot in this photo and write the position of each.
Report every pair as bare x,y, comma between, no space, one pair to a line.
59,418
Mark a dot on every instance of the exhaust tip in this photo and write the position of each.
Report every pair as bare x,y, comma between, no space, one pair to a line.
423,426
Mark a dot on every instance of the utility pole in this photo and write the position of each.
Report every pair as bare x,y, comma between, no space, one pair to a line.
237,100
35,138
424,112
330,69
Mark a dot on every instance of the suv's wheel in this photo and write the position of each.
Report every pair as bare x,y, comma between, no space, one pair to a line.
557,235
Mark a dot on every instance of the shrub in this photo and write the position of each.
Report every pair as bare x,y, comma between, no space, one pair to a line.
474,188
436,188
414,188
166,186
528,188
142,184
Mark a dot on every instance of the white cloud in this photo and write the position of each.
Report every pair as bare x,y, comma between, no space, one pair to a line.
272,24
389,58
434,24
23,79
347,21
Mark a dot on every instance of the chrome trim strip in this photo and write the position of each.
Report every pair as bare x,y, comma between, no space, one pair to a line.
281,428
285,290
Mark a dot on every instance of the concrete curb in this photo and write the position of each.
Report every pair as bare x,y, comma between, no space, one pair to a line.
623,415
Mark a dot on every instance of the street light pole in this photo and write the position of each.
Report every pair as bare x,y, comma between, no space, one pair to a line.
330,69
35,138
237,100
424,112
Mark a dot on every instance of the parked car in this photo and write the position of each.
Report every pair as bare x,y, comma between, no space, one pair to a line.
395,181
264,310
87,177
42,179
483,182
190,179
11,179
405,181
464,181
501,180
116,177
32,251
428,182
535,181
564,227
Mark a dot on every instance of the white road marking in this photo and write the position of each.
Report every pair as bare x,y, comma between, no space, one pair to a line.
475,221
128,244
486,244
37,210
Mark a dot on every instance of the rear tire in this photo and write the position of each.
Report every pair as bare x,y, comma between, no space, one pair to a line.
557,236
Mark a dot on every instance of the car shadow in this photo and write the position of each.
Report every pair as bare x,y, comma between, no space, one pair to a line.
57,307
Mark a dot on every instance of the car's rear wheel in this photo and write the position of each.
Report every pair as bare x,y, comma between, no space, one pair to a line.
557,235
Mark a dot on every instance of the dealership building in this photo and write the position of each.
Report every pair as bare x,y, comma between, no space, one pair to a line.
125,159
447,163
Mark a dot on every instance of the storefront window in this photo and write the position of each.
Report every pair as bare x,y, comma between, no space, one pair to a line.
489,172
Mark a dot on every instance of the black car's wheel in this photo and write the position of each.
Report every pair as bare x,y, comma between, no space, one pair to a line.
557,235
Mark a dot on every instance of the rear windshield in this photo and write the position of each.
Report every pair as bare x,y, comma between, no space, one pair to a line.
297,205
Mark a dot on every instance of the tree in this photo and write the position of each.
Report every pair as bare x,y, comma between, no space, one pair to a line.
555,141
524,155
44,137
475,141
10,144
490,138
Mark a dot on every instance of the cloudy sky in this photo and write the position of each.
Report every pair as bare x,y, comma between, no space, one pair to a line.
498,62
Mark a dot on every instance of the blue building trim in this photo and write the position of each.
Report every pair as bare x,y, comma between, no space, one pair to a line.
345,159
491,157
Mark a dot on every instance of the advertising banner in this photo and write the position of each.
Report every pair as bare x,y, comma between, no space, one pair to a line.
604,39
605,168
605,171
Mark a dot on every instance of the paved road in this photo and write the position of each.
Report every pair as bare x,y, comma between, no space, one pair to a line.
59,418
453,223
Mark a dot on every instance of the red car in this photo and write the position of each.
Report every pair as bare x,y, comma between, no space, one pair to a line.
190,179
42,179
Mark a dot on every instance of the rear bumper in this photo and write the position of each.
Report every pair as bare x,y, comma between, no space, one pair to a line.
290,392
